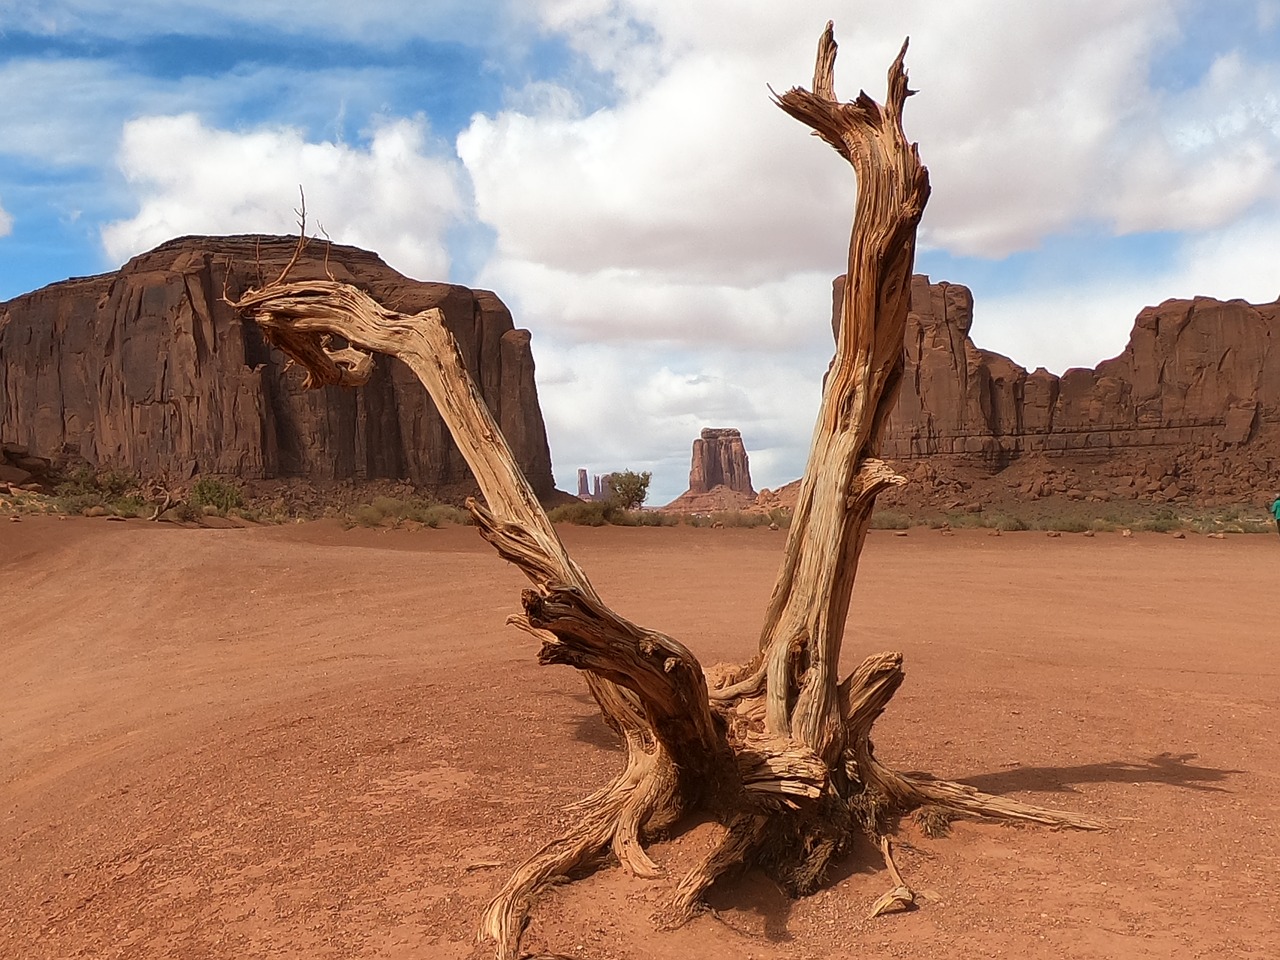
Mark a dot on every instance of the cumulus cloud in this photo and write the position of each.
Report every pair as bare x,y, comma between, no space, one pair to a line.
6,222
1079,323
395,195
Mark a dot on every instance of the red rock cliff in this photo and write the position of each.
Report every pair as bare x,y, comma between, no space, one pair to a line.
149,370
1196,373
720,460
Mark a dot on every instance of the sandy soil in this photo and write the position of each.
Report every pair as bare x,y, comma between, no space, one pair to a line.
308,742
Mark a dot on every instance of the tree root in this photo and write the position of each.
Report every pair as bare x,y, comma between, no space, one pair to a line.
611,819
745,833
901,897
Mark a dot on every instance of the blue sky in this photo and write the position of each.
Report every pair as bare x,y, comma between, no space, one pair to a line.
614,170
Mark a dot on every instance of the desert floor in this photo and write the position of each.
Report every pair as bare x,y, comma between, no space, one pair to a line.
308,742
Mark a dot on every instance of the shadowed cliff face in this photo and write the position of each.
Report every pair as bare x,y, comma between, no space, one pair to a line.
149,370
720,460
1197,373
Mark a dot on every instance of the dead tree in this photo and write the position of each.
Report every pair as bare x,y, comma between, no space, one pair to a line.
779,750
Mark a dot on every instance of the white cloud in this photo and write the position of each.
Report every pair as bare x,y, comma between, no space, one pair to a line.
1080,323
394,196
6,222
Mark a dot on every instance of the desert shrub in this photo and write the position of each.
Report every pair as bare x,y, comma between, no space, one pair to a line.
212,492
1162,521
969,521
1065,524
437,513
425,512
781,516
81,478
591,514
1007,524
642,518
367,515
1102,525
76,503
127,506
738,518
697,519
185,511
82,486
391,507
890,520
628,489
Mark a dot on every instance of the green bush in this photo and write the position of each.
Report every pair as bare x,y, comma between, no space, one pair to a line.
367,515
781,516
641,518
1162,521
74,504
1066,524
129,506
211,492
83,486
628,489
425,512
585,514
738,518
890,520
1006,524
435,514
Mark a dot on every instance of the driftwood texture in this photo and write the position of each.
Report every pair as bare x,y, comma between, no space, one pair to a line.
779,751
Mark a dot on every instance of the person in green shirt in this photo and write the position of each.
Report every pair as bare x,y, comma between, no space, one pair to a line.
1275,512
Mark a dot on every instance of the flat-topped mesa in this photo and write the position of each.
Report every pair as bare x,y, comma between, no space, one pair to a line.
720,460
1196,374
149,370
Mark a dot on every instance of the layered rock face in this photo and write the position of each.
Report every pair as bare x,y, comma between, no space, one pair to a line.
720,460
149,370
719,473
1196,374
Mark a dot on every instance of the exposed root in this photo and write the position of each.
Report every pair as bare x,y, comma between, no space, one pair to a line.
610,819
908,793
901,897
744,835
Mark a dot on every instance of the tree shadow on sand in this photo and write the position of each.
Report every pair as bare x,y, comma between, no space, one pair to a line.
590,728
1172,769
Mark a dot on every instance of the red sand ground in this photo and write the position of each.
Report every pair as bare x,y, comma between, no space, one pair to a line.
307,742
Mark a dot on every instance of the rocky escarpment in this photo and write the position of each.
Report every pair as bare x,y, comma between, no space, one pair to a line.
149,370
1190,410
1198,373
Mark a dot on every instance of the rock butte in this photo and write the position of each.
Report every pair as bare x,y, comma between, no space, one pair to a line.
719,473
149,370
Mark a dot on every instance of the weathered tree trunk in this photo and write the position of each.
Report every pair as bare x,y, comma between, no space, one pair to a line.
779,751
